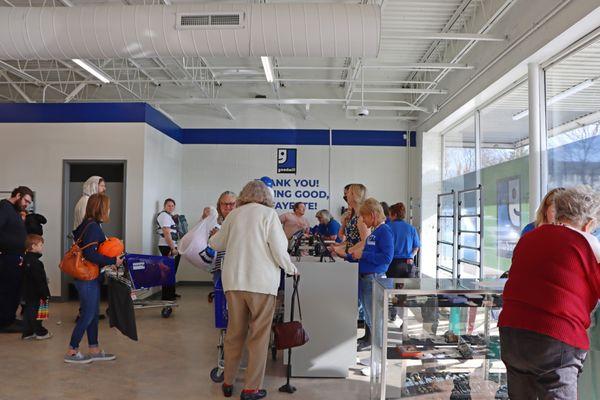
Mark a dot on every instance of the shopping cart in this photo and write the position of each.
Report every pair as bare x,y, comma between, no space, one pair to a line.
217,297
145,272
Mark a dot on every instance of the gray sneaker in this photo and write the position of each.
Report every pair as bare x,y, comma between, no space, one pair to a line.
44,337
102,356
77,359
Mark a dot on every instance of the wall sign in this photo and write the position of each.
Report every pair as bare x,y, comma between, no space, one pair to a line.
287,161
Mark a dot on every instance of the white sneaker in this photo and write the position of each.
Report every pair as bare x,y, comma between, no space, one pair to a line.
397,322
44,337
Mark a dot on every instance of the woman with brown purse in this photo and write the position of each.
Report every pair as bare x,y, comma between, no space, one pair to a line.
89,235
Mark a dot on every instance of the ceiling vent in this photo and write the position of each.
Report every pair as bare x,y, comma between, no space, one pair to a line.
211,21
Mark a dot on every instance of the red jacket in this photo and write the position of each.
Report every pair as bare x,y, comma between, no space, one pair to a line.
553,285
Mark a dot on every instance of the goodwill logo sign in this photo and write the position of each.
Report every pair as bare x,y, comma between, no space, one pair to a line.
287,161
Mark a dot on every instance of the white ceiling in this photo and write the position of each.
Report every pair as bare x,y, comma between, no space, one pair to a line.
411,32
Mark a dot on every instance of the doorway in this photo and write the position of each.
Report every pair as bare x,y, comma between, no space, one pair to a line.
75,173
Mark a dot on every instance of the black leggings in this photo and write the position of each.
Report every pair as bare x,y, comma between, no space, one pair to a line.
168,292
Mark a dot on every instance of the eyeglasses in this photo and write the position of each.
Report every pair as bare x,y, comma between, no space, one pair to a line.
229,204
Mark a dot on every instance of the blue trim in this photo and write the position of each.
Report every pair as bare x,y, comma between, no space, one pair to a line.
413,139
256,136
72,112
160,122
369,138
142,112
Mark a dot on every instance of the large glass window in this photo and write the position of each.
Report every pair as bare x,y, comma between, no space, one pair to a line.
573,119
504,128
459,156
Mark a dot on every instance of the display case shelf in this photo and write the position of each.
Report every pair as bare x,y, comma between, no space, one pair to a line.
448,341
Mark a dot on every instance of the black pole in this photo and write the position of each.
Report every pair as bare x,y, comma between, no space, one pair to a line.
288,388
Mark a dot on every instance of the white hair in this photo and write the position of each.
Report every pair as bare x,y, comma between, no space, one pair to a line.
578,205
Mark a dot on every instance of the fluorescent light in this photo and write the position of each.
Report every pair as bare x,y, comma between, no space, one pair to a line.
268,67
561,96
92,70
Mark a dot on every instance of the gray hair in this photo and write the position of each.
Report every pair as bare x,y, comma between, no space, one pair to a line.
578,205
325,214
256,192
225,193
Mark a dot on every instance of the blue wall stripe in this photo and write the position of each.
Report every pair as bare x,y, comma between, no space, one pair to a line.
142,112
256,136
160,122
369,138
72,112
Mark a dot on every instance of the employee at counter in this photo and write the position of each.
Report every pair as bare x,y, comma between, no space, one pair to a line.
328,228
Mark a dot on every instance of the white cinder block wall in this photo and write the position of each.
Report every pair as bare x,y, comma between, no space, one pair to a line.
32,154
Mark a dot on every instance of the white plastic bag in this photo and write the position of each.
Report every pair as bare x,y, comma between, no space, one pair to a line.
196,241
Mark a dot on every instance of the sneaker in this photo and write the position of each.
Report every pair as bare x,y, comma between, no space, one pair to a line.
29,337
363,345
102,356
253,395
77,359
227,390
44,337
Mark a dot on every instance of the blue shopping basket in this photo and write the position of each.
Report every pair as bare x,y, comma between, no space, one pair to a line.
148,271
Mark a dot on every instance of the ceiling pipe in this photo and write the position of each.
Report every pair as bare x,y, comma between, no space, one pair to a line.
190,30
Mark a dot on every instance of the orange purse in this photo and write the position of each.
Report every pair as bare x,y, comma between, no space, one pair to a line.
74,264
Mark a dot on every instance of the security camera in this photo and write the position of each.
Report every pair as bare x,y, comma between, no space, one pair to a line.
362,111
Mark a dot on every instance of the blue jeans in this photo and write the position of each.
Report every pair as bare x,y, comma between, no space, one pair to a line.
89,300
365,287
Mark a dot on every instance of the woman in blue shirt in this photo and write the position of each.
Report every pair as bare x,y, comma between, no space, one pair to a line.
375,257
328,227
406,244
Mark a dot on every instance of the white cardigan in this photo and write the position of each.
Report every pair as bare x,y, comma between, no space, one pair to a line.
256,249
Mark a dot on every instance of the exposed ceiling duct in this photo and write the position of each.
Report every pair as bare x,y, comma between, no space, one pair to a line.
190,30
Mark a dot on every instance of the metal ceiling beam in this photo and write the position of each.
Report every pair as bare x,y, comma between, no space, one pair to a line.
16,87
251,101
402,91
419,66
75,92
482,37
143,72
389,108
23,75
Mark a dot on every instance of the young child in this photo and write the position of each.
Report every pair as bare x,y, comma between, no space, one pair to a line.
35,288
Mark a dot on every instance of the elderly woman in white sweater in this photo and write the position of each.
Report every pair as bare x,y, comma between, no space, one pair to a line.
256,252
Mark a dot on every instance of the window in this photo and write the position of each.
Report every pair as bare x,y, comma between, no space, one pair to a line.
504,176
459,156
573,119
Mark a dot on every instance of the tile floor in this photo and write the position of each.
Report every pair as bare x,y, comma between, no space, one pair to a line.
172,360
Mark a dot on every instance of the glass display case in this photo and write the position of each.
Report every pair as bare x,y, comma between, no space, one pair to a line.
437,337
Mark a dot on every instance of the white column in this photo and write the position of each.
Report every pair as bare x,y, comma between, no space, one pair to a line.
535,85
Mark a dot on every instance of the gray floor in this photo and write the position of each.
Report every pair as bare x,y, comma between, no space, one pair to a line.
172,360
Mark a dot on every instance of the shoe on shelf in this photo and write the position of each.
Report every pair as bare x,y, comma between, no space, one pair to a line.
102,356
77,359
227,390
253,394
363,345
48,335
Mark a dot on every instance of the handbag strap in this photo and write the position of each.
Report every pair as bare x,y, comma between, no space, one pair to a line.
296,297
81,238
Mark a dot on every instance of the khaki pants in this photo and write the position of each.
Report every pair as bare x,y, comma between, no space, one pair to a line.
250,318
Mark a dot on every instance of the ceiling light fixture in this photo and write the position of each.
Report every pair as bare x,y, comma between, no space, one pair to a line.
561,96
268,67
92,70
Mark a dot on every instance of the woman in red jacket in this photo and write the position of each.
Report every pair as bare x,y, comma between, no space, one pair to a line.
553,286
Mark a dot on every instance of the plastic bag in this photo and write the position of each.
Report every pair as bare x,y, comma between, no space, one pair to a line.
196,241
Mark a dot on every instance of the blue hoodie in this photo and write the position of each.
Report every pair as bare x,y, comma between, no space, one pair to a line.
378,252
93,234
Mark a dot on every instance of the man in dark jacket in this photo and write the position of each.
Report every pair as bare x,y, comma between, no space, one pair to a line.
12,247
35,288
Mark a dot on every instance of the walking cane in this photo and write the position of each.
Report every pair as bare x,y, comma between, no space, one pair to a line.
288,388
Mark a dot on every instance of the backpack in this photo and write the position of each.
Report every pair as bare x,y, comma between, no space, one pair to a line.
180,226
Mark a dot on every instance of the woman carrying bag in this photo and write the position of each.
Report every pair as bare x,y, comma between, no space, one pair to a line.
89,235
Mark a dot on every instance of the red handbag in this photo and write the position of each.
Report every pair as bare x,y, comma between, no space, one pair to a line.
291,334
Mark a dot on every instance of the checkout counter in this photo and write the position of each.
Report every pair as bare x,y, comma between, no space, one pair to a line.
328,297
